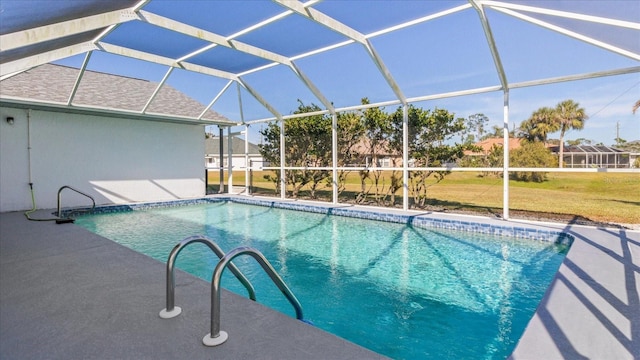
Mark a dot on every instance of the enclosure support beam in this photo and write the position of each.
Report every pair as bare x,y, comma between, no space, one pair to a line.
575,35
283,182
334,156
246,160
229,160
260,99
505,166
63,29
221,148
83,67
229,42
505,87
162,60
157,90
353,34
28,62
491,42
215,99
405,157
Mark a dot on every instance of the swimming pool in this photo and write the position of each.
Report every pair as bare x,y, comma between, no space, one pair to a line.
400,290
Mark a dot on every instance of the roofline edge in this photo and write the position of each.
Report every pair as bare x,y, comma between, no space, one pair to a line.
7,102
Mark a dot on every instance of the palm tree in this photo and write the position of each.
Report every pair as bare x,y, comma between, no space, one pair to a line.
539,125
568,115
636,106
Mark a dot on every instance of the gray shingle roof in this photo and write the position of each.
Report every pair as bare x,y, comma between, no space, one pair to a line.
54,83
212,146
591,149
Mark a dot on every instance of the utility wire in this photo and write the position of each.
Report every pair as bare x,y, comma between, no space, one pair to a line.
612,101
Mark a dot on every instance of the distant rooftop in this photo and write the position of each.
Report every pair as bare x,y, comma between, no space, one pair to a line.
487,144
212,146
587,149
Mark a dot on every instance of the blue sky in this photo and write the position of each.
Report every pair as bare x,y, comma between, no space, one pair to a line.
443,55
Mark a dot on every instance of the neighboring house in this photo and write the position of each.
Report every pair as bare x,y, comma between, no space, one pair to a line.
633,147
376,157
593,156
212,153
575,156
486,145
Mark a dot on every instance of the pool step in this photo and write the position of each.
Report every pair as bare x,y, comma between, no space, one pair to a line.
64,221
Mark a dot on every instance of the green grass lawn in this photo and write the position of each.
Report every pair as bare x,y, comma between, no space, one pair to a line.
600,197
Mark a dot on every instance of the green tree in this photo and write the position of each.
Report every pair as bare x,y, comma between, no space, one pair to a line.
631,146
351,131
475,128
493,158
498,131
270,151
431,144
539,125
531,154
307,145
620,141
377,130
580,141
568,115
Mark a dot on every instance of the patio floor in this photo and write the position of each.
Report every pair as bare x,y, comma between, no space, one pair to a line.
66,293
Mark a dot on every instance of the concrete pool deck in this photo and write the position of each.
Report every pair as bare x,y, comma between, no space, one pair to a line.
66,293
69,293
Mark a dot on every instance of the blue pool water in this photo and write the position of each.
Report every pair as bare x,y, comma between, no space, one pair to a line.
401,291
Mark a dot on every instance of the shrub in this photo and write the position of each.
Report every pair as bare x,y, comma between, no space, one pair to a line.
531,154
491,159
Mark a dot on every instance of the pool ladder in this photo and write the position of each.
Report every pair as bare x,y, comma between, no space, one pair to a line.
62,220
217,336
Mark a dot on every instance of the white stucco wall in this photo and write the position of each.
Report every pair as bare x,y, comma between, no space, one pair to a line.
114,160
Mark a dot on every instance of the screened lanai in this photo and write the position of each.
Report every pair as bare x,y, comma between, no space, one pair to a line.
583,156
254,62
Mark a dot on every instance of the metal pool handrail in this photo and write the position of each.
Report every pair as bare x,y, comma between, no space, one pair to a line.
171,310
217,337
79,192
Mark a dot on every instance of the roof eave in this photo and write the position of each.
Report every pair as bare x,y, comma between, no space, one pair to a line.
7,101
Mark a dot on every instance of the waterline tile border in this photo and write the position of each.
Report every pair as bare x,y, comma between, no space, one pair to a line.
420,221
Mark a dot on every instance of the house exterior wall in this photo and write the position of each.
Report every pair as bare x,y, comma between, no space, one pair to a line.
114,160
